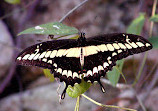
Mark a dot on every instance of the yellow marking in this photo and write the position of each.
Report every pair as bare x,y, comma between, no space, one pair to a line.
105,64
36,57
128,46
72,53
64,72
53,54
119,51
89,72
42,55
133,45
31,56
102,48
147,44
122,46
109,61
19,58
77,53
90,50
50,61
75,74
44,60
60,52
109,58
59,70
67,51
80,76
48,54
140,44
26,57
69,73
100,67
116,46
114,53
95,70
55,65
110,47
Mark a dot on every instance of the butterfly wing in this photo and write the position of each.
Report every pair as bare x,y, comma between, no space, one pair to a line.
102,52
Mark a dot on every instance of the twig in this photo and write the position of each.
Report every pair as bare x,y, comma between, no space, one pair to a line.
72,10
118,85
107,106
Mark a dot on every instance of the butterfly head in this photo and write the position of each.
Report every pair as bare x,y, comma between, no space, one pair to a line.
82,39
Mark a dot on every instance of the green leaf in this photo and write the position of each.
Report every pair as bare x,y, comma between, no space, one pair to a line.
48,74
154,18
54,28
78,89
137,24
114,75
13,1
154,41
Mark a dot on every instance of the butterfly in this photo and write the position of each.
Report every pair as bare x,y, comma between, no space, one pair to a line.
72,60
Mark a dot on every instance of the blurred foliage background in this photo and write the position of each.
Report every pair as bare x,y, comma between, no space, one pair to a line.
26,88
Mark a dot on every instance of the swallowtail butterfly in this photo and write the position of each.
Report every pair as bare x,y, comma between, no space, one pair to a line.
89,59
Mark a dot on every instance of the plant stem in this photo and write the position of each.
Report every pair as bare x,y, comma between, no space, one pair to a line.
150,34
72,10
107,106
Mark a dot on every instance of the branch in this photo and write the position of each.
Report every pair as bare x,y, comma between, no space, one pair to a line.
72,10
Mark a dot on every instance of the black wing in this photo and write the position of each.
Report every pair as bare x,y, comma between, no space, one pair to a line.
102,52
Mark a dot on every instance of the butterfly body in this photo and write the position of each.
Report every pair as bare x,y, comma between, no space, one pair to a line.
84,58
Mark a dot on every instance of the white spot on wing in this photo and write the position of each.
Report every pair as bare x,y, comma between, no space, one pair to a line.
100,68
119,51
26,57
60,52
122,46
55,65
105,64
110,47
140,44
128,46
59,70
102,48
48,54
36,57
69,73
50,61
44,60
114,53
116,46
53,54
64,72
95,70
42,55
75,74
147,45
89,72
19,58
